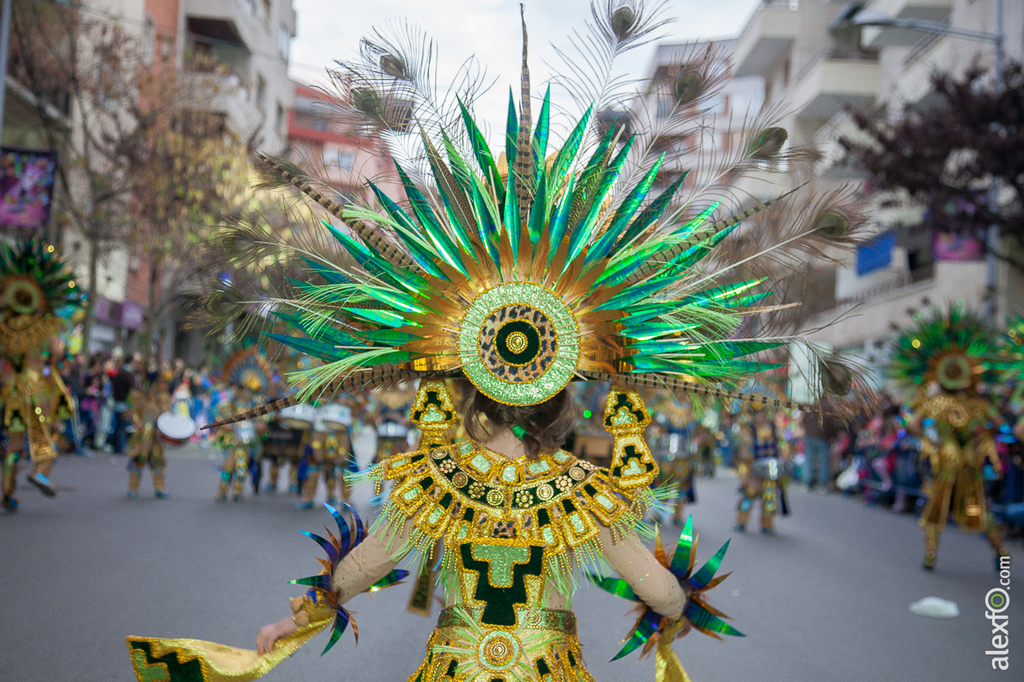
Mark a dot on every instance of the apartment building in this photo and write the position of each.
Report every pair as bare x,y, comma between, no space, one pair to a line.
233,54
819,62
694,142
320,137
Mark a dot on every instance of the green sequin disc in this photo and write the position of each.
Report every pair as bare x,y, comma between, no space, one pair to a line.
519,343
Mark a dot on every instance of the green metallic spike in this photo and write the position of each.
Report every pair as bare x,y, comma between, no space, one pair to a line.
511,133
511,218
616,586
452,197
386,337
313,347
590,179
460,169
438,236
560,219
486,224
393,209
705,620
652,212
392,578
540,137
405,304
681,558
567,154
586,227
410,281
384,317
647,626
633,295
330,275
623,215
483,154
642,330
713,296
538,213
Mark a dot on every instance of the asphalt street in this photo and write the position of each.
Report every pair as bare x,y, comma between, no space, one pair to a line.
825,599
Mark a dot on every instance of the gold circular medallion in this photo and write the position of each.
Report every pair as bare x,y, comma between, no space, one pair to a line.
460,479
545,492
495,498
498,651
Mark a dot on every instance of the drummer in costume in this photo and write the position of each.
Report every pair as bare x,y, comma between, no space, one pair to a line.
145,448
944,358
762,470
36,291
389,414
249,375
522,283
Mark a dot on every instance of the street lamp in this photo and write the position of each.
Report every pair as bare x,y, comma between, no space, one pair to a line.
877,19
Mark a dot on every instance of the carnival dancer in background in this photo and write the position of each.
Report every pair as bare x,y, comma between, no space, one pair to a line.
37,292
945,358
676,452
249,375
144,446
763,468
388,412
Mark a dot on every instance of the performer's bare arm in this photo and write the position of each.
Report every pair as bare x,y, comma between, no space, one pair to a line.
356,573
651,581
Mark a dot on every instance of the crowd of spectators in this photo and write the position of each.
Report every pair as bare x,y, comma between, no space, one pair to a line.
102,384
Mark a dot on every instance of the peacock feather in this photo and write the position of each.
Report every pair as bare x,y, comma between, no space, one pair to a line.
539,265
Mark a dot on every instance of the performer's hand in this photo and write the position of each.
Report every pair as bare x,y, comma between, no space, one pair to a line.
269,634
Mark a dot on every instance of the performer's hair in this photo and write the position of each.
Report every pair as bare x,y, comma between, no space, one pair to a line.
545,426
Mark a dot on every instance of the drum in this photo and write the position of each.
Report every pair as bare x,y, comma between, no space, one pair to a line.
336,417
390,429
300,417
175,429
772,468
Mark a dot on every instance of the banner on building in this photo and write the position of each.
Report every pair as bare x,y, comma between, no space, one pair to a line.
26,187
954,247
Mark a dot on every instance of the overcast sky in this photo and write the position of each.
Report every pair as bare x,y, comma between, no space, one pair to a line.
489,29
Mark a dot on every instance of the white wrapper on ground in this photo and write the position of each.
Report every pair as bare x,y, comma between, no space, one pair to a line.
935,607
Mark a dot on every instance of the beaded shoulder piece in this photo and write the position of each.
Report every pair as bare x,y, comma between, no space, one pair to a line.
464,492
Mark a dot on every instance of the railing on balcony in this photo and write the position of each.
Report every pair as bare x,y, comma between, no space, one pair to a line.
792,5
837,53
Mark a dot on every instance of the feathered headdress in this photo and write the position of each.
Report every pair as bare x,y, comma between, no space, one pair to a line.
37,289
955,349
1010,360
249,369
557,263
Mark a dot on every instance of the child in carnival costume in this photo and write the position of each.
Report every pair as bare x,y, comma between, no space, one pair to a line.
945,358
145,447
760,468
250,376
37,293
518,277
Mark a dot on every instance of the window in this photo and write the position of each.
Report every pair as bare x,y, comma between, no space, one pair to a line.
261,91
339,158
284,41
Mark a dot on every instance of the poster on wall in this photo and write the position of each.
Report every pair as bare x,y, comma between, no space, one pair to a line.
26,187
953,247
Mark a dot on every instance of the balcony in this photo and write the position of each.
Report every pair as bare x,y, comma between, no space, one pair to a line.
223,93
240,15
766,37
920,10
834,80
